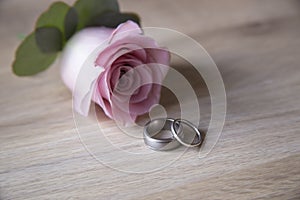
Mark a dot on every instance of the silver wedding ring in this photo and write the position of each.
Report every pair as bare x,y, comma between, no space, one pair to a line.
166,133
196,140
158,135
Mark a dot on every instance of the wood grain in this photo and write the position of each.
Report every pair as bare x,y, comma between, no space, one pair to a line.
256,46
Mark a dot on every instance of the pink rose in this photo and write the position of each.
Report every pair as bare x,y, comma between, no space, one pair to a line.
125,77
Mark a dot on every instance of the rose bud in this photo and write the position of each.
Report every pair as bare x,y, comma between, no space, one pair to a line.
124,79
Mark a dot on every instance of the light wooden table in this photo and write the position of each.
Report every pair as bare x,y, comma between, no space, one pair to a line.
256,46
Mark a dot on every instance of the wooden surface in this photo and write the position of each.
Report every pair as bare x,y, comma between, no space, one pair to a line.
256,46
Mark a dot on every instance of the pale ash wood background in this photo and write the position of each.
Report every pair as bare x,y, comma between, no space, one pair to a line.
256,46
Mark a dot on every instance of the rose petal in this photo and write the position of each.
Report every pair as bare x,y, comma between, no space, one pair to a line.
144,106
103,103
125,29
146,76
133,81
78,49
115,51
84,89
159,56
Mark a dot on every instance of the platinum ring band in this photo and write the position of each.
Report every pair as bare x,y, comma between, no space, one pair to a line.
178,122
154,128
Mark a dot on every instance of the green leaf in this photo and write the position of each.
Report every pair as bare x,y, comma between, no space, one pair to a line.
29,60
70,23
113,19
54,16
89,9
49,39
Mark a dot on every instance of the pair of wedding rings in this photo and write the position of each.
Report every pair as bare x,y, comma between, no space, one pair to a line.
166,133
